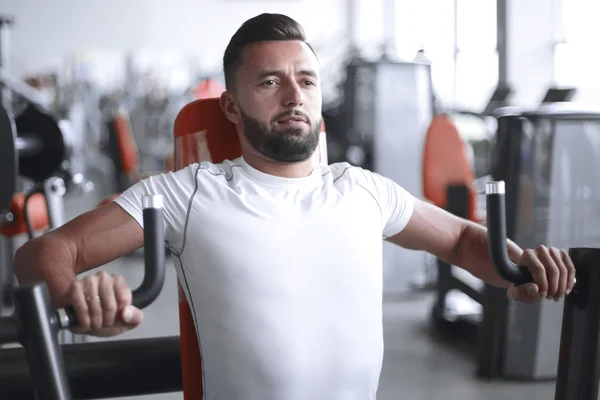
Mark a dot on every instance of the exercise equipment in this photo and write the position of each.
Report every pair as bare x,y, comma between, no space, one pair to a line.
34,142
548,159
9,83
559,95
102,370
33,146
578,374
9,160
41,144
35,326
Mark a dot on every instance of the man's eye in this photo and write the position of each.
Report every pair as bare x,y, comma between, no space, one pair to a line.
308,82
270,82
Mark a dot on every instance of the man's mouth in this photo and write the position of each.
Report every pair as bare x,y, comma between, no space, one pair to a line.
294,119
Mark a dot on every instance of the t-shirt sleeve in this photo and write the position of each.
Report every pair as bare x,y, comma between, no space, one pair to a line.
176,189
395,202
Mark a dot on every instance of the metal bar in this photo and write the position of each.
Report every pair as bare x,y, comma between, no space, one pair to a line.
39,337
578,373
442,286
491,333
492,330
100,370
29,93
9,330
466,289
6,262
501,42
5,92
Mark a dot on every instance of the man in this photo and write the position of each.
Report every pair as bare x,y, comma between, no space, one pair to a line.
280,258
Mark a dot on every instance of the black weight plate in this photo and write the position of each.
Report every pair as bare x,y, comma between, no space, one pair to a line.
32,122
8,160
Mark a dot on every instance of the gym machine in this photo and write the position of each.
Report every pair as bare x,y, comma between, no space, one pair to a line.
38,147
559,95
549,161
453,278
35,326
578,372
457,313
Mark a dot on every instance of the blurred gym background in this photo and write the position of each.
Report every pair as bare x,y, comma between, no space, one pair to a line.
389,68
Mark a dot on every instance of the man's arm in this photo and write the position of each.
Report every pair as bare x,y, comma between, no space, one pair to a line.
454,240
465,244
88,241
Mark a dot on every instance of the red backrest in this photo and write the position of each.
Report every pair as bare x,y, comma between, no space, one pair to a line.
38,215
203,133
445,163
128,150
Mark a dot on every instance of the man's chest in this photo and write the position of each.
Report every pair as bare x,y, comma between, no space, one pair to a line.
284,252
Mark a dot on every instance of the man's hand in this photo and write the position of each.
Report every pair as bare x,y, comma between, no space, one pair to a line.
102,303
553,274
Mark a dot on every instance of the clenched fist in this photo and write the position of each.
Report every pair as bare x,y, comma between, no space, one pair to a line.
102,303
553,275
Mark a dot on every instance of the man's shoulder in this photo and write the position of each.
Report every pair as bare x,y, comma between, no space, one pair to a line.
210,170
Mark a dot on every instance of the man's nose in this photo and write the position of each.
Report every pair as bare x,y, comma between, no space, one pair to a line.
293,95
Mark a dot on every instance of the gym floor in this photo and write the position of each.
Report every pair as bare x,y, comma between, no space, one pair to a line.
417,364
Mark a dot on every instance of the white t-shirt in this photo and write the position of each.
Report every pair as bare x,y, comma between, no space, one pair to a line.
283,276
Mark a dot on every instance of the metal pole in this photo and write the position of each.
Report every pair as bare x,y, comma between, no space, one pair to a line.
578,371
6,262
501,39
389,28
5,24
351,25
39,337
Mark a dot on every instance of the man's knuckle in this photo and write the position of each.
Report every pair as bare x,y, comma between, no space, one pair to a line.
110,308
529,254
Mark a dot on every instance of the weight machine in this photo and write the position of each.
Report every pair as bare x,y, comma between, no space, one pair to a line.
35,326
547,158
578,373
549,161
36,147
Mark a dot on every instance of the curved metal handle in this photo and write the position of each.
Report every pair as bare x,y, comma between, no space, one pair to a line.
496,228
154,261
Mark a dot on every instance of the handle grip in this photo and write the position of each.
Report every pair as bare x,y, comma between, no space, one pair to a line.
154,261
496,228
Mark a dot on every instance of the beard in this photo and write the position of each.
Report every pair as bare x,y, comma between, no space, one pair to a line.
284,145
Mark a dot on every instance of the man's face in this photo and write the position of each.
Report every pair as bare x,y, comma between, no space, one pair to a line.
278,94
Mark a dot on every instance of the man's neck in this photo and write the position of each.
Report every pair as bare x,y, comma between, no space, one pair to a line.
294,170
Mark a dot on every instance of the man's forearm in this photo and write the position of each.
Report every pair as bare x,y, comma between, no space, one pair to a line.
472,255
50,260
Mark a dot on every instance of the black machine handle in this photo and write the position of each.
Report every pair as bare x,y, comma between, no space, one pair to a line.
497,239
154,261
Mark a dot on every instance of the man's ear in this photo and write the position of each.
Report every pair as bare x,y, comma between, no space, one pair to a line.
230,108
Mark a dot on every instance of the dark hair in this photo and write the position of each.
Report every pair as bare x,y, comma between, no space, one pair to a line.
264,27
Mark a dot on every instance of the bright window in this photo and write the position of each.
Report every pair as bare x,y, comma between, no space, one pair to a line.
464,78
576,59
